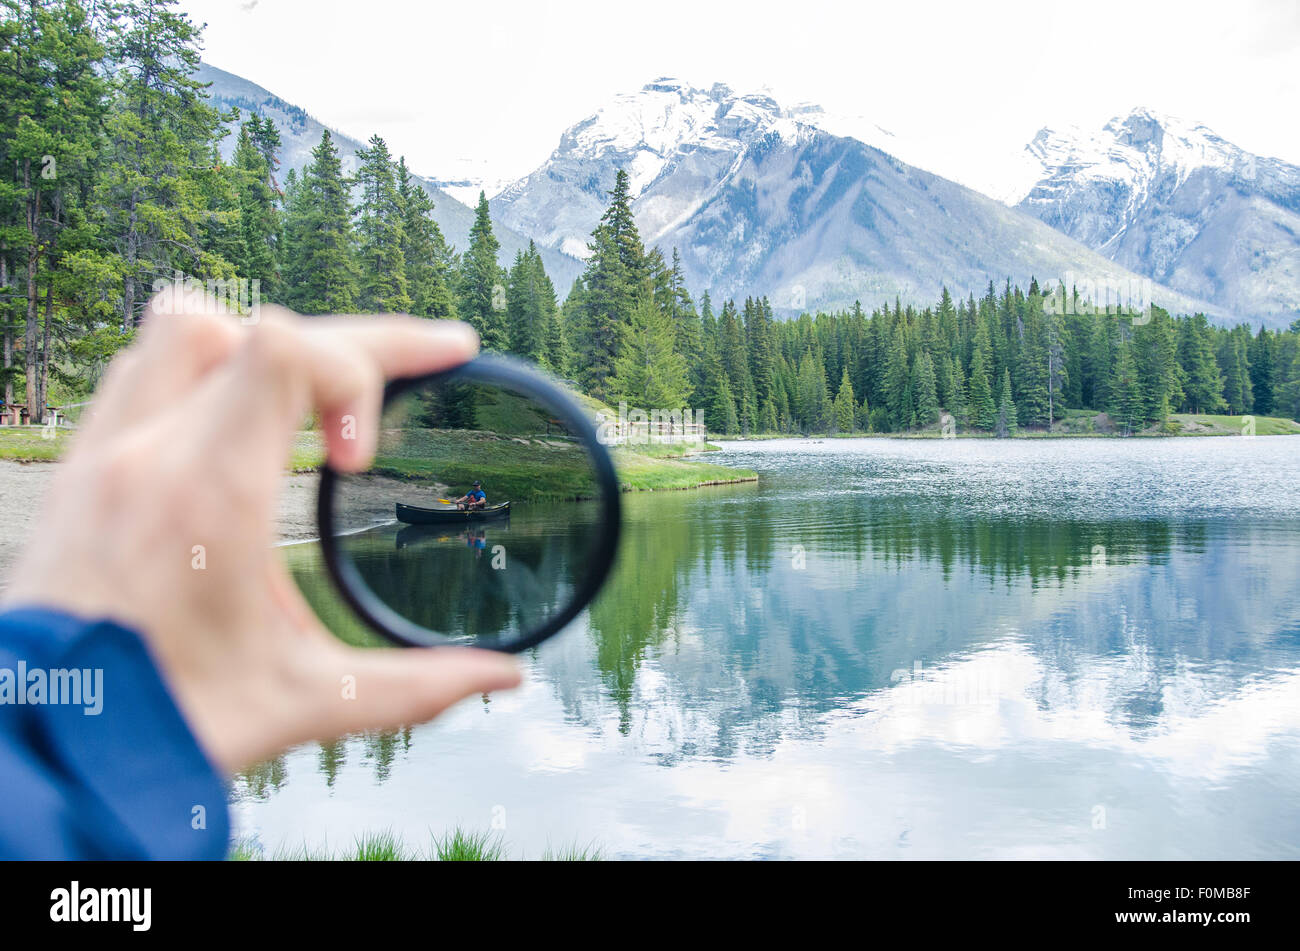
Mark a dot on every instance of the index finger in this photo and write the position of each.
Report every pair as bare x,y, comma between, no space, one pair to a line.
352,359
401,345
338,365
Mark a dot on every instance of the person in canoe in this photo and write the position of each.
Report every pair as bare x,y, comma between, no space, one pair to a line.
474,498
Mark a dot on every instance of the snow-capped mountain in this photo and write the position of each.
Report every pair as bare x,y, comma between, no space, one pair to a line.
300,133
1172,200
761,199
816,210
676,142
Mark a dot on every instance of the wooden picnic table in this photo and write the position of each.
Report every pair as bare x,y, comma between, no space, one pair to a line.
13,414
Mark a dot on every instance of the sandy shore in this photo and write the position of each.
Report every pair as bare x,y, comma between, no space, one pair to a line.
23,486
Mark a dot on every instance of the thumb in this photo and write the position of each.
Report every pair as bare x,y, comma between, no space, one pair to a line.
387,688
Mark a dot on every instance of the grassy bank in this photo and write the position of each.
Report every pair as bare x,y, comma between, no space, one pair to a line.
1205,425
519,468
27,444
457,845
534,469
654,468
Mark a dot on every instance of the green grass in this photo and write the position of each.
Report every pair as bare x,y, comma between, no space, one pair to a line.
675,450
523,467
307,452
380,847
458,845
243,850
519,468
384,846
573,853
305,853
650,469
26,444
1214,425
461,846
501,411
528,468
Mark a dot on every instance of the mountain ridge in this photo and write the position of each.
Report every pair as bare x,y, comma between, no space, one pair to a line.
750,194
1173,200
300,133
763,199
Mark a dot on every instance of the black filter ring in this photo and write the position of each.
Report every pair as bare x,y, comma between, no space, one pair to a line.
521,378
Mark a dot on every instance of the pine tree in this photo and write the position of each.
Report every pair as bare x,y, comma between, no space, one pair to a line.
429,262
52,112
1034,400
649,373
897,380
733,352
160,153
481,283
557,352
845,405
531,313
1203,389
1160,378
682,309
1286,396
1056,340
321,267
1238,392
724,409
958,405
381,232
927,398
620,226
812,400
1006,419
714,396
258,257
982,410
1261,356
617,273
1099,361
522,306
762,356
1126,394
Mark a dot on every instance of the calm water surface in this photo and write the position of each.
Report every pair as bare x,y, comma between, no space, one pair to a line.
885,649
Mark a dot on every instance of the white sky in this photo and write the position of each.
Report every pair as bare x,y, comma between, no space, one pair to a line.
484,89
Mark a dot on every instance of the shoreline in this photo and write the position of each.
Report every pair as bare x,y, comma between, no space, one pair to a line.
25,482
1089,426
822,437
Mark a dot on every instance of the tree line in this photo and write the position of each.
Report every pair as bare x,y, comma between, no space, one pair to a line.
115,181
1005,360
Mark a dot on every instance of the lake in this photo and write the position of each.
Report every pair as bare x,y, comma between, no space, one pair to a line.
884,649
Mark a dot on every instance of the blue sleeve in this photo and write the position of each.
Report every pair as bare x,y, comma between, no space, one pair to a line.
96,761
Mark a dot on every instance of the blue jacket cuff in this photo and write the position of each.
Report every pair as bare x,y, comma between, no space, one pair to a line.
132,779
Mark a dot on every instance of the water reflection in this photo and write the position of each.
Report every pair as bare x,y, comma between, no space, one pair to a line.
487,583
913,666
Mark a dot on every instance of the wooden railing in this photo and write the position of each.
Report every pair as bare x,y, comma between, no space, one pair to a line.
618,431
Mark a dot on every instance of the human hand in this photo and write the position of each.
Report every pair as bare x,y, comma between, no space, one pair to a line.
187,445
